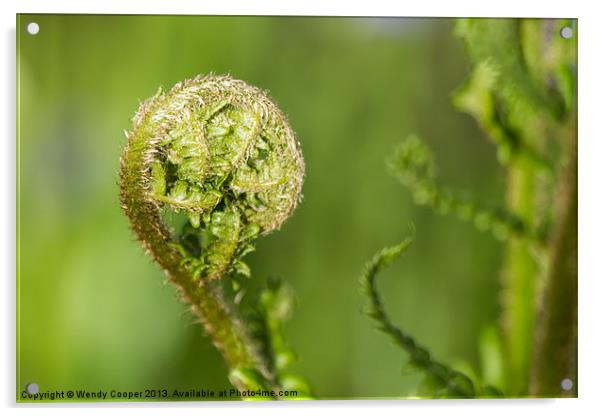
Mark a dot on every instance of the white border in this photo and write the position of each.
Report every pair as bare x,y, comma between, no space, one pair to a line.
590,207
461,8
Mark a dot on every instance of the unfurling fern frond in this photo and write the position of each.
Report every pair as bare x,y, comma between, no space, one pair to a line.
217,155
414,165
441,379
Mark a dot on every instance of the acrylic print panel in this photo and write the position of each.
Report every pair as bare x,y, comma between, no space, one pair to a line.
242,208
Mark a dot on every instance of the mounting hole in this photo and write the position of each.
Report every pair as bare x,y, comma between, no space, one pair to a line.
32,388
33,28
566,32
566,384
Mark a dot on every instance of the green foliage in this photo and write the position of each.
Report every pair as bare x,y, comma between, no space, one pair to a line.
248,377
440,380
523,81
414,165
491,353
479,98
522,93
267,319
67,181
219,151
495,41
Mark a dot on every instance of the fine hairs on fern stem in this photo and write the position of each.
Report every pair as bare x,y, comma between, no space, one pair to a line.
209,166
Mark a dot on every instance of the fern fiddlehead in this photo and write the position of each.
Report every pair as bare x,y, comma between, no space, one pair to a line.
209,166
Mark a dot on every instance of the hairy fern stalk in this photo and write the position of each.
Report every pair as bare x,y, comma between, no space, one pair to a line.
209,166
522,94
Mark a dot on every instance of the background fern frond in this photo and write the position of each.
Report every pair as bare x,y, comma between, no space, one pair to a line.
522,93
478,98
414,165
440,379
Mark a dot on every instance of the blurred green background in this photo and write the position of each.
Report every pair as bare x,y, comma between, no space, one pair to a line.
95,312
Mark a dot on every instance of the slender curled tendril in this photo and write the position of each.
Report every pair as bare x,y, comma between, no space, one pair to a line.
210,165
441,379
413,164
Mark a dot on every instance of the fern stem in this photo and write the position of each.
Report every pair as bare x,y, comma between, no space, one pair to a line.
413,163
220,151
227,332
556,341
519,275
455,382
